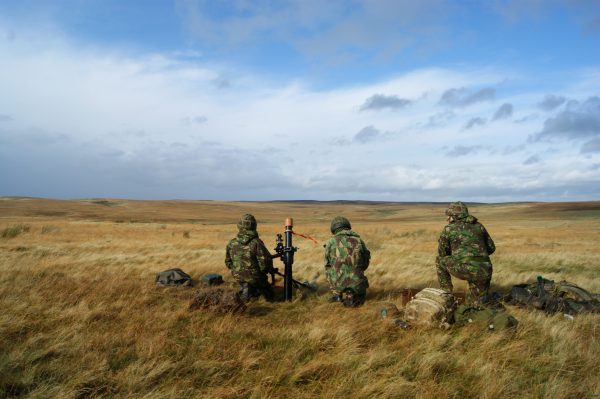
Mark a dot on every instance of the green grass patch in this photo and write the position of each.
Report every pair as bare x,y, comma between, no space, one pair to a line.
13,231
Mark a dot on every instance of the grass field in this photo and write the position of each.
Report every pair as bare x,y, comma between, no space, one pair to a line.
81,316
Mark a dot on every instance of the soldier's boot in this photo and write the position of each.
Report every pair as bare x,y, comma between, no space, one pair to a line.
350,299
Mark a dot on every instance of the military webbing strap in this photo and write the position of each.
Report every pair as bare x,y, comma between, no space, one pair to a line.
476,259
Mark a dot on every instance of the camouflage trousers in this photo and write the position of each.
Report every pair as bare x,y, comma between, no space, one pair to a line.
338,284
477,273
254,290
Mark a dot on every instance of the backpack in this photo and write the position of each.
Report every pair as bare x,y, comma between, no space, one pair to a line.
551,297
173,277
212,279
430,307
492,319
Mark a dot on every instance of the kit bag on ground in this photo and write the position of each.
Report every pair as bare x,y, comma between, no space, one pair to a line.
173,277
489,318
430,307
551,297
212,279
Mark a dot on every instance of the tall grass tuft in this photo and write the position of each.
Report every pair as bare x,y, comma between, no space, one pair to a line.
13,231
49,229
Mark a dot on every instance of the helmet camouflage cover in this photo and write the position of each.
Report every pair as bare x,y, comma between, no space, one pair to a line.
247,222
339,222
457,210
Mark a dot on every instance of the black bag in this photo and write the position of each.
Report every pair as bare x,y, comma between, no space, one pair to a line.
212,279
551,297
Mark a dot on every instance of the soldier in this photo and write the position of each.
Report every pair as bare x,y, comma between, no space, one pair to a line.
249,261
346,259
464,252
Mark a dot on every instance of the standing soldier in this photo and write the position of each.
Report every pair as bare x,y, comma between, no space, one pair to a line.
464,252
249,261
346,259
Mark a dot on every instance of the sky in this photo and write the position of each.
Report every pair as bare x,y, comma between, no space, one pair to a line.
383,100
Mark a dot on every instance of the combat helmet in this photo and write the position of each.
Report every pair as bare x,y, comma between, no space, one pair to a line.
339,222
247,222
457,210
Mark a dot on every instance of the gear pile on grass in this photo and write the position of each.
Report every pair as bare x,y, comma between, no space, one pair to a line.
218,300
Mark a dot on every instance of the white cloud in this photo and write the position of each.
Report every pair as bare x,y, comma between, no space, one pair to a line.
87,122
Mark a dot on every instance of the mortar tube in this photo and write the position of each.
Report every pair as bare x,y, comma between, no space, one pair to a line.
288,260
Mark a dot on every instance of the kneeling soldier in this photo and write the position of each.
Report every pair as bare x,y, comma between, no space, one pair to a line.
346,259
249,261
464,250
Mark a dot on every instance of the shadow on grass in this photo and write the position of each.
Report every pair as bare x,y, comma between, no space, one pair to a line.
258,311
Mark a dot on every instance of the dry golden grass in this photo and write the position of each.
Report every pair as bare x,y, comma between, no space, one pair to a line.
81,316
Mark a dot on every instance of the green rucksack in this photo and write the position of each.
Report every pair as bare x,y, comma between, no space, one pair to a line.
492,319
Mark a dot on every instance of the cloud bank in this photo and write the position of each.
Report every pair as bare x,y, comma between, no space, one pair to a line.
85,122
551,102
380,101
464,97
579,120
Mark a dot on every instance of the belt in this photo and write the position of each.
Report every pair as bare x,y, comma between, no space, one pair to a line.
476,259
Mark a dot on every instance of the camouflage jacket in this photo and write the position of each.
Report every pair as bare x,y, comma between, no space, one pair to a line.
346,259
248,258
466,238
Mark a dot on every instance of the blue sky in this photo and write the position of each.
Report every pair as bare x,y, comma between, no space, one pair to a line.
434,100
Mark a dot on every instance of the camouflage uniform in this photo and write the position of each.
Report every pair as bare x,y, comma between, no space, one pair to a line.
249,261
346,259
464,249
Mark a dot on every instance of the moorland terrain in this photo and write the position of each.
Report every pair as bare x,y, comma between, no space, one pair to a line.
82,318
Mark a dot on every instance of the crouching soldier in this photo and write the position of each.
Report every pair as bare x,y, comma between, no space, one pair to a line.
346,259
464,250
249,261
